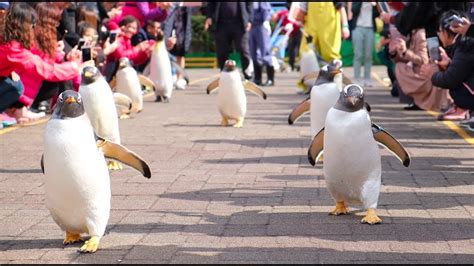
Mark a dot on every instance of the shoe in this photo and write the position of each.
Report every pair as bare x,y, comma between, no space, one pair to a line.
23,115
181,84
466,122
368,83
271,76
6,120
257,78
454,114
412,107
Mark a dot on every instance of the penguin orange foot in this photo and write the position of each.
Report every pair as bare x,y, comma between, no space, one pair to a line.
371,217
72,238
113,165
224,122
124,116
340,209
240,123
90,246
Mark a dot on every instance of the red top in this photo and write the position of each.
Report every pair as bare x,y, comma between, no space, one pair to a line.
33,68
284,14
125,49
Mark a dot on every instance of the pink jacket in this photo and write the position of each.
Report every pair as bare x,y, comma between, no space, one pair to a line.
33,69
143,11
125,49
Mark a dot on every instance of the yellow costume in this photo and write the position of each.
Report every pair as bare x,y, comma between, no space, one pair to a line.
323,22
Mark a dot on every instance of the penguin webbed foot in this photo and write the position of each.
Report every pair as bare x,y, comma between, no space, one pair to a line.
240,123
224,122
113,165
90,246
371,218
340,209
125,116
72,238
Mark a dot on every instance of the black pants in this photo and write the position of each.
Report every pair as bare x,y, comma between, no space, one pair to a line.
50,89
225,35
293,48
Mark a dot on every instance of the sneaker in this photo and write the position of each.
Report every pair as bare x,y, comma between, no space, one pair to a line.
466,122
368,83
181,84
6,120
454,114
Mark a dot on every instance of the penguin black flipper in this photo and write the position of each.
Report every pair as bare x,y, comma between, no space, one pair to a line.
367,107
316,148
42,163
120,153
311,75
146,81
388,141
212,86
299,110
252,87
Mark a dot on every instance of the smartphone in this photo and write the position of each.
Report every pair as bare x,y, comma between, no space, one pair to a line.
86,54
454,21
81,43
112,37
433,48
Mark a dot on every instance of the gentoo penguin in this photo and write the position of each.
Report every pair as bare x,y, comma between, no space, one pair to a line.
231,100
352,164
77,181
308,62
99,104
160,71
128,83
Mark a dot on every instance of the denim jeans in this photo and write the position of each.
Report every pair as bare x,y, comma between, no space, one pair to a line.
363,39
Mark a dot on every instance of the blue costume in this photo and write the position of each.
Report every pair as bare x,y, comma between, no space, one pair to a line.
260,46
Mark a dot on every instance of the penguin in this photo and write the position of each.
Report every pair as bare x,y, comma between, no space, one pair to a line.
231,100
99,104
123,105
352,162
308,62
160,71
128,83
77,181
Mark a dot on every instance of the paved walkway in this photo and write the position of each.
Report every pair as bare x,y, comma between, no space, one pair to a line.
225,195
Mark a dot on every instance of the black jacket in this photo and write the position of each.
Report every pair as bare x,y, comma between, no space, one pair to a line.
246,9
416,15
188,30
459,74
356,6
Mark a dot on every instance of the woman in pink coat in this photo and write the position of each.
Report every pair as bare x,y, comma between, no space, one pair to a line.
143,11
16,56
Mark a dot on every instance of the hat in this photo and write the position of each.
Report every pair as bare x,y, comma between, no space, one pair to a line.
4,5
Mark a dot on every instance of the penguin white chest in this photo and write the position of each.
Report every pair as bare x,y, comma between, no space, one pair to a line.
352,163
128,83
99,105
323,97
231,98
160,70
77,179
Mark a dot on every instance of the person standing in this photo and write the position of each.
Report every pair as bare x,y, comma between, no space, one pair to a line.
231,24
362,16
260,42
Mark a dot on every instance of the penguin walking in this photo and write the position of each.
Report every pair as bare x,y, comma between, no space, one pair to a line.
77,180
160,71
231,100
128,83
123,105
352,162
100,106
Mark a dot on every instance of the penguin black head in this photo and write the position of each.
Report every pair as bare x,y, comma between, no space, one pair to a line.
351,98
90,74
229,65
69,105
124,62
328,72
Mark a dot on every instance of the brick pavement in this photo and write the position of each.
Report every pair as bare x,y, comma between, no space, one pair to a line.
225,195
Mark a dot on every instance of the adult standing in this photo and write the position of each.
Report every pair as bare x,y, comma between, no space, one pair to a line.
260,47
231,24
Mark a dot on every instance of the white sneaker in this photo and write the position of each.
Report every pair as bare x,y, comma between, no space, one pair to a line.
181,84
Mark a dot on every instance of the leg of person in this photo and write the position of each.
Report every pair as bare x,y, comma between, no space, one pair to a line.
267,56
254,52
241,38
47,91
223,44
293,48
369,39
357,45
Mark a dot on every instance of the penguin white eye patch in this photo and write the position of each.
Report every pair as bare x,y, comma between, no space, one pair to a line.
351,85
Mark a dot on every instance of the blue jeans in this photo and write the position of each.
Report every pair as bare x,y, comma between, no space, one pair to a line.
363,39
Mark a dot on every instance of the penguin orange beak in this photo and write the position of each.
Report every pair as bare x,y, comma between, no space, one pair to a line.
70,100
